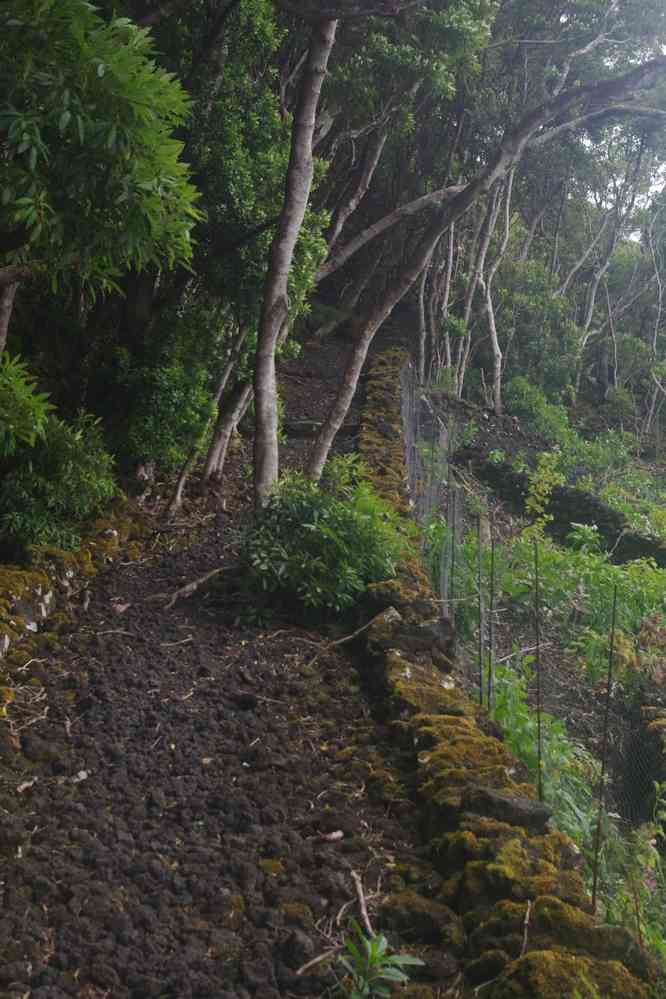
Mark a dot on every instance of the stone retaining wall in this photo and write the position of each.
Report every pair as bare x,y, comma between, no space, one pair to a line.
512,905
45,589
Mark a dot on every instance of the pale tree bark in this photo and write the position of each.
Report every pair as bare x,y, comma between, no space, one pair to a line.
442,305
490,308
342,254
188,466
478,263
350,204
365,329
275,308
531,235
232,410
656,264
350,300
563,288
423,322
7,296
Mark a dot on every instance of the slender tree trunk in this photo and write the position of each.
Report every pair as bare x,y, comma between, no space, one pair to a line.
231,412
490,309
342,254
562,290
423,326
188,466
350,301
366,328
476,278
531,233
7,296
275,308
348,207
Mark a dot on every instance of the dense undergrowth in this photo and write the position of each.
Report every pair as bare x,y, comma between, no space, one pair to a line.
576,582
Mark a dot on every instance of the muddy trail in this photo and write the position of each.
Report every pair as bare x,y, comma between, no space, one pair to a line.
192,806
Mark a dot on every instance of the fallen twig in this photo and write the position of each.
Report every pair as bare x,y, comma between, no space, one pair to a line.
362,904
319,959
185,591
526,926
341,641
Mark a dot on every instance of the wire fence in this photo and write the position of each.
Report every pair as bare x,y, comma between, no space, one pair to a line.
622,849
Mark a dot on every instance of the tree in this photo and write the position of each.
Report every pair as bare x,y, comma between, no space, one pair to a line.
91,180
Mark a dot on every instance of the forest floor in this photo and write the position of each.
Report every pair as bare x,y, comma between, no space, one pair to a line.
186,798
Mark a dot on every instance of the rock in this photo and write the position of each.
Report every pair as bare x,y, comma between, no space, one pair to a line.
516,811
297,949
422,920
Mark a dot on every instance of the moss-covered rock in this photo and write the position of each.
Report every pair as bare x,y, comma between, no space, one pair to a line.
423,920
526,928
556,974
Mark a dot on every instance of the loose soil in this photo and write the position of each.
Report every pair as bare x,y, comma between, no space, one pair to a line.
185,795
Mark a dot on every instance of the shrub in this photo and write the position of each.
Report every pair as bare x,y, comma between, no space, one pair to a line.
548,419
23,410
65,478
169,408
320,546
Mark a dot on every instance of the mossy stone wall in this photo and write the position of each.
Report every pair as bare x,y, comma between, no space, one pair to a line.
512,904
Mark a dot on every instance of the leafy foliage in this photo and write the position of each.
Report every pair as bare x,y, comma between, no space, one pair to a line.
23,410
372,970
169,406
569,772
91,178
321,545
66,477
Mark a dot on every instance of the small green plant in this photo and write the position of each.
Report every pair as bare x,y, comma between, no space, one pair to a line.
542,481
469,432
23,410
584,537
496,456
371,969
520,463
320,545
66,477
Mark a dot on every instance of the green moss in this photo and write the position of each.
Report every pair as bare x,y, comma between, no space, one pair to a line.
297,914
554,974
273,868
232,911
421,919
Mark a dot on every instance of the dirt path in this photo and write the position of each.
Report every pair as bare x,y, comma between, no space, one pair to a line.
192,805
187,797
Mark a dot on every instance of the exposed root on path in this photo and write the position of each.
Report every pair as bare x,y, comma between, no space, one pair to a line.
184,591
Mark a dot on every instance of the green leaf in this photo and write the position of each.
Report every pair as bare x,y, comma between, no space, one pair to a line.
64,121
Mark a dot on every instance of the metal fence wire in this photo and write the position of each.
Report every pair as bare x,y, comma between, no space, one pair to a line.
623,849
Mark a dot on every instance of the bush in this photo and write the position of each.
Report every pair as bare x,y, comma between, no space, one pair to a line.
23,410
546,418
319,546
169,408
65,478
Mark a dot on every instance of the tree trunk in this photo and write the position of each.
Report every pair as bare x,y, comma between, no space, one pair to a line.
231,412
7,296
371,159
490,309
349,301
275,308
423,324
366,327
340,256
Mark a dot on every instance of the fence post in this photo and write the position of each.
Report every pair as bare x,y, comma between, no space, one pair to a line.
604,753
